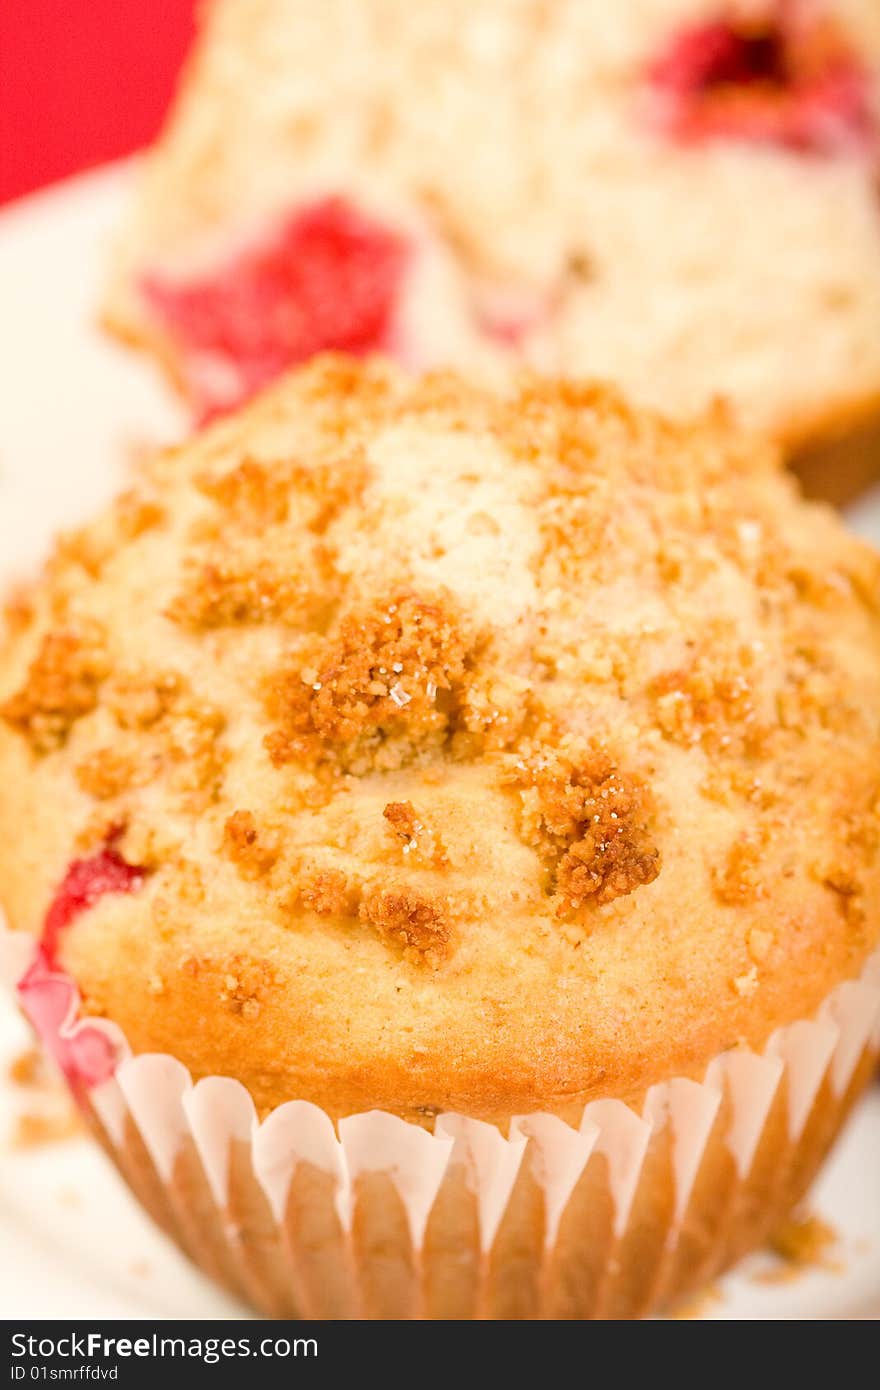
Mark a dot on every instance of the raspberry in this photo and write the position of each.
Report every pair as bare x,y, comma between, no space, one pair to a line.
85,882
783,81
86,1055
326,278
716,54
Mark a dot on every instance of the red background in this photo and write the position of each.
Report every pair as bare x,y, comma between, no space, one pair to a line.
83,81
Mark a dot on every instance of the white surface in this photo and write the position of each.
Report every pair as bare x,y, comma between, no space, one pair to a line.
72,406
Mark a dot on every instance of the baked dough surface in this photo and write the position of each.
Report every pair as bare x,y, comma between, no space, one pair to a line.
480,752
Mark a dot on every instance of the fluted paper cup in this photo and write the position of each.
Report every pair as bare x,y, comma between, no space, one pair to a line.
376,1217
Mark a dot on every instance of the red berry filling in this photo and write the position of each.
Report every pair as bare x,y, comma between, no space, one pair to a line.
85,882
327,278
86,1055
788,80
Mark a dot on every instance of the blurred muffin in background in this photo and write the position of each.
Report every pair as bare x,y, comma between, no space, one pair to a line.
678,195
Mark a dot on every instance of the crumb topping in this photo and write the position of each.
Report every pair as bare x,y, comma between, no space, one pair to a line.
136,513
684,690
739,881
328,893
417,841
138,697
259,497
241,982
409,916
411,919
712,701
164,729
386,684
253,851
107,772
197,757
255,495
590,823
18,609
90,547
62,685
228,590
245,985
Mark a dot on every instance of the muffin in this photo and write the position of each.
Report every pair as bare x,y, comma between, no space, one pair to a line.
487,786
677,195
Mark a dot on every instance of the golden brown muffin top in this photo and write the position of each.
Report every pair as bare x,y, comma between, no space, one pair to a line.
473,751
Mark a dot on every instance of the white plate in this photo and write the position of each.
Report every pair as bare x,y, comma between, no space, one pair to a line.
72,1242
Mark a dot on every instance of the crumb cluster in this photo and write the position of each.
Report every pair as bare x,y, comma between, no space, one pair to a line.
591,825
62,685
391,678
417,840
252,850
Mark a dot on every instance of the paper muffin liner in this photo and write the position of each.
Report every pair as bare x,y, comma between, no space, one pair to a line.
377,1217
